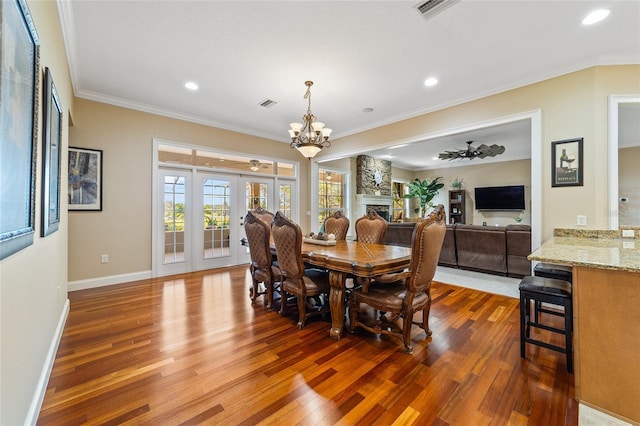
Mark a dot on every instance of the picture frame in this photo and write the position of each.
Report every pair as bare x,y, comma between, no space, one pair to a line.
20,80
567,165
51,144
85,179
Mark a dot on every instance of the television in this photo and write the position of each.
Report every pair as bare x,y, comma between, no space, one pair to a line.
500,197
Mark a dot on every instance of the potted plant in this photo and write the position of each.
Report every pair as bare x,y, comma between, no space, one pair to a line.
424,191
457,183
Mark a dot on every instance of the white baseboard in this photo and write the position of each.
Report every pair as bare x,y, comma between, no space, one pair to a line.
41,387
110,280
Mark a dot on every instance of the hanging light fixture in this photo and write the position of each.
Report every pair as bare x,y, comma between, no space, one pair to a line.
311,136
255,165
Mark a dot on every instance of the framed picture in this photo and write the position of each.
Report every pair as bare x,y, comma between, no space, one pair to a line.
51,141
567,163
85,179
19,86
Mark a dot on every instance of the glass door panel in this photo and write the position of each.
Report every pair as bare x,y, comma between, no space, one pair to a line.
216,238
173,213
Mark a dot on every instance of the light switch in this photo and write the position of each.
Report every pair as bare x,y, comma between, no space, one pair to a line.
581,220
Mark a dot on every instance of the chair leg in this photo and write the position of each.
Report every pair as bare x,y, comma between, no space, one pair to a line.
523,321
253,291
568,330
354,307
407,322
283,301
302,310
268,300
425,319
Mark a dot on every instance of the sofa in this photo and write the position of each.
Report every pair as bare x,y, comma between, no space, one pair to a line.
500,250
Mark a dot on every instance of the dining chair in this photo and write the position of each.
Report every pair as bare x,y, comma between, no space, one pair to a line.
337,224
297,281
264,215
262,267
406,292
371,228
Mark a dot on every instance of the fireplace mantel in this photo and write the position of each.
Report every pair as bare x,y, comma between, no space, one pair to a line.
364,200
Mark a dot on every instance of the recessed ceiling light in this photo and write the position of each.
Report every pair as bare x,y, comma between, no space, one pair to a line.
191,85
595,16
434,158
367,109
431,81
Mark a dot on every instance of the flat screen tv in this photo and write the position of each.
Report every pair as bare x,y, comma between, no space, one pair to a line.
500,197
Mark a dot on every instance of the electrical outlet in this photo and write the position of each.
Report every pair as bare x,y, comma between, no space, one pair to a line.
627,233
581,220
104,258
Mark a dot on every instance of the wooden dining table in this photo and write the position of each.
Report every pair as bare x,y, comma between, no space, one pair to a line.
352,258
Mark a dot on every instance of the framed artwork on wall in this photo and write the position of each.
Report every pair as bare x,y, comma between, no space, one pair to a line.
85,179
51,142
19,83
567,163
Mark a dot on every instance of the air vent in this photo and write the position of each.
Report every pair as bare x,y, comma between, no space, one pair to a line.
431,7
267,103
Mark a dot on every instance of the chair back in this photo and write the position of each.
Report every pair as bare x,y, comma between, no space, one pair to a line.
264,215
337,224
371,228
287,237
425,249
258,235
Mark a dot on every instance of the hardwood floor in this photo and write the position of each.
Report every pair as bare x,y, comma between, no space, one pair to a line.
193,349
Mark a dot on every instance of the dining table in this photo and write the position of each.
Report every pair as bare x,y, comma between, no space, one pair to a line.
359,260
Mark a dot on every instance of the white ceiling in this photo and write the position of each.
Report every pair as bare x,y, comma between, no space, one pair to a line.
360,54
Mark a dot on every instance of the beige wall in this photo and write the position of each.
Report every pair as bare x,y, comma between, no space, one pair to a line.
33,282
123,228
492,174
572,105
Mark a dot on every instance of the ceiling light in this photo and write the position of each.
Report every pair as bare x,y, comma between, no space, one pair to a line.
311,137
191,85
254,165
367,109
431,81
595,16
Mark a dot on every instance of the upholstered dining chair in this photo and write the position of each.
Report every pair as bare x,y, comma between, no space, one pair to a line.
338,225
264,215
262,267
407,292
297,281
371,228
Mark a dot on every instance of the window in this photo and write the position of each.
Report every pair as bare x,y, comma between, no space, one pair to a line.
398,210
331,193
284,199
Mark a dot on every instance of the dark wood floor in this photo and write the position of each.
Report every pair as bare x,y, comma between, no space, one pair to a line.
193,349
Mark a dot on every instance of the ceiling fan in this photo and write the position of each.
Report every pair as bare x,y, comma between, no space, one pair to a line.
470,152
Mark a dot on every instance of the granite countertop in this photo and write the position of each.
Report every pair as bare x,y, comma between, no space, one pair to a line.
601,252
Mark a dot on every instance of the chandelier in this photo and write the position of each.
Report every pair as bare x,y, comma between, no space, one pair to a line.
309,138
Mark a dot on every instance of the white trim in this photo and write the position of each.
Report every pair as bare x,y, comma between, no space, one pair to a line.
108,280
41,386
614,105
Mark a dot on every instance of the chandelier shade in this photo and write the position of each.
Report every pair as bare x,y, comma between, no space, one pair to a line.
309,137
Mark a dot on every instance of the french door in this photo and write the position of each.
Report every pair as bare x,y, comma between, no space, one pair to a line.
201,216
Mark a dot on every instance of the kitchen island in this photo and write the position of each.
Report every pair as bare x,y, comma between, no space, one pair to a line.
606,309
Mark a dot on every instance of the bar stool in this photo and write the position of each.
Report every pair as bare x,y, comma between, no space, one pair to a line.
551,270
552,291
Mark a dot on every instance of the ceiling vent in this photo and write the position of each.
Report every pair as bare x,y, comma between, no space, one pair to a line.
267,103
431,7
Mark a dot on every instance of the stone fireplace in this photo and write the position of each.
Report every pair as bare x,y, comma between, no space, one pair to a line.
373,186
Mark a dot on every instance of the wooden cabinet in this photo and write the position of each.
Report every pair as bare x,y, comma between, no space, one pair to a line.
457,211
